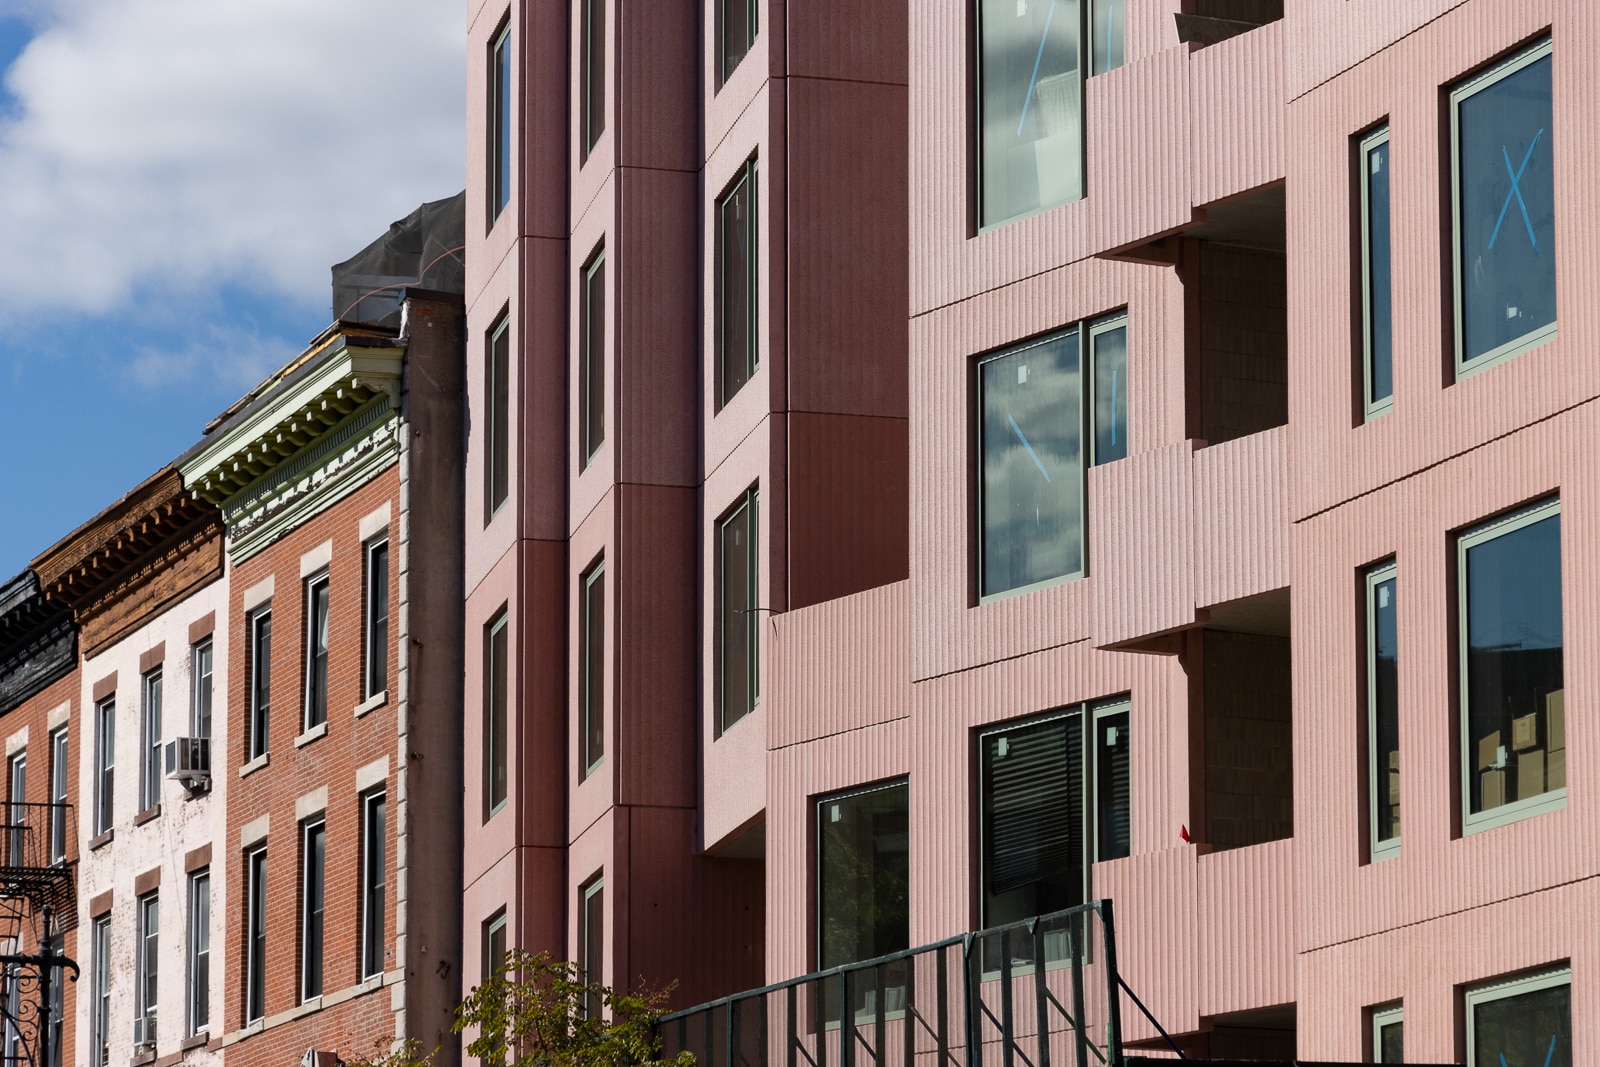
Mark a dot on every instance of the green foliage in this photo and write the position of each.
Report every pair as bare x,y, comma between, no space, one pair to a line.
537,1011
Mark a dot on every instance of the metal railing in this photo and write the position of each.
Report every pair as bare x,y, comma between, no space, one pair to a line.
1038,993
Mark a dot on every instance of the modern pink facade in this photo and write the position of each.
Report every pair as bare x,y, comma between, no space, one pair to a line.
1221,588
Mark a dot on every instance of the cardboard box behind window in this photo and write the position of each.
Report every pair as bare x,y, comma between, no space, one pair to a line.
1530,773
1555,710
1394,787
1489,751
1493,793
1525,732
1555,771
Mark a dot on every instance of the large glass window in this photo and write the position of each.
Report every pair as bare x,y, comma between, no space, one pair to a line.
593,117
260,684
499,122
317,618
738,629
1388,1035
737,285
60,772
1525,1021
150,746
1504,210
377,619
592,656
313,865
737,22
255,940
1383,713
1055,798
105,744
592,940
496,466
374,847
200,689
1377,300
1513,703
495,651
199,952
863,889
592,357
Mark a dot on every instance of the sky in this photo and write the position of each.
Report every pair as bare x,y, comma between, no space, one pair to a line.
176,179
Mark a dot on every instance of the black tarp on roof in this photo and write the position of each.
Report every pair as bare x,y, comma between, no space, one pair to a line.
424,249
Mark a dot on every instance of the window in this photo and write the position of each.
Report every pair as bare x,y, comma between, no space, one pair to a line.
374,848
592,652
1388,1035
738,633
148,955
1513,713
738,273
591,934
60,769
594,75
1030,98
737,23
499,122
496,468
316,708
105,744
494,714
1108,369
199,952
100,1019
260,683
1031,451
1377,300
1503,205
1383,713
592,357
17,817
494,957
255,940
150,747
313,854
1055,798
1527,1020
200,689
11,1047
377,620
58,1008
863,888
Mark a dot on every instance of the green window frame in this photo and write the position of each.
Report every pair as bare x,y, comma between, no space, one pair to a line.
1545,1008
1374,167
497,394
496,714
738,631
738,22
592,119
499,164
738,283
1388,1034
592,357
1383,725
592,660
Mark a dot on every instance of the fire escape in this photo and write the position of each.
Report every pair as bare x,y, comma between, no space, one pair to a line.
38,857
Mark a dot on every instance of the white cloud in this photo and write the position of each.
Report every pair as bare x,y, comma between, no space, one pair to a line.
167,147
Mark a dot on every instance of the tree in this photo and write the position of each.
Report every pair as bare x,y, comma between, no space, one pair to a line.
537,1011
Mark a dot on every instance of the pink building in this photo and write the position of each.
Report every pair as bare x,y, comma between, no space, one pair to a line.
948,464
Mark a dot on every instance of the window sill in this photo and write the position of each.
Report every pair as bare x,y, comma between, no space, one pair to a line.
140,1058
311,735
376,700
152,812
100,840
1514,811
197,1041
255,765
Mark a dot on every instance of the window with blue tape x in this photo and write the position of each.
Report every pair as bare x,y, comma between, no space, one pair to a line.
1504,203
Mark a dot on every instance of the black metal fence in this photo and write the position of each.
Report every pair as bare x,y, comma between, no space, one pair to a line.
1040,993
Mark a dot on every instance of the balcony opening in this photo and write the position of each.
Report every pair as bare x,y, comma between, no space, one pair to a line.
1239,678
1258,1034
1205,22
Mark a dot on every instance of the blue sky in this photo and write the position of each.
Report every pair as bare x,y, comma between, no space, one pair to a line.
169,210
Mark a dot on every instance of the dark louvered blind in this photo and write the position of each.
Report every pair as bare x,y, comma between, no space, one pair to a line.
1033,812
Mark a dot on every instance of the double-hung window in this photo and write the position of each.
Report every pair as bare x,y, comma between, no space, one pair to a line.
150,743
60,775
1054,799
496,651
316,670
58,1008
255,937
1031,59
497,390
1513,707
737,24
376,628
1033,424
1503,210
147,957
592,356
593,76
1388,1035
592,655
863,890
17,828
374,848
199,998
105,763
738,567
499,122
1377,292
100,1008
313,865
1383,712
1523,1020
260,695
738,273
200,689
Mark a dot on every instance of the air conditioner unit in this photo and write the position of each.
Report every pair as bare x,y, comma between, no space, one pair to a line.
321,1058
144,1032
188,760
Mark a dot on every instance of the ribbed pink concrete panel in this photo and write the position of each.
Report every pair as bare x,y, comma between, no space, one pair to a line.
1237,99
1437,871
1425,965
1324,41
1150,27
1241,523
1247,927
1158,938
840,665
1141,174
1434,416
1141,532
796,775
